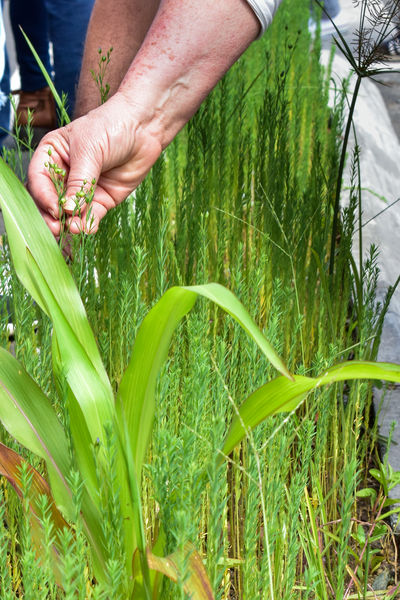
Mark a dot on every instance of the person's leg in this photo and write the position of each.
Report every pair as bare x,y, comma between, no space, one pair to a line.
332,7
5,112
68,21
35,97
31,15
390,47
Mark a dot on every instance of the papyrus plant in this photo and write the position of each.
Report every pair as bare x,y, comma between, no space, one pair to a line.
93,409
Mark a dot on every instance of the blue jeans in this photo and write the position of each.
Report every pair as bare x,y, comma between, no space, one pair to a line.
5,107
332,7
64,24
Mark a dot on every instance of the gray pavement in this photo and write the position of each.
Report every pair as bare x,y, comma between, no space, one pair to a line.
390,90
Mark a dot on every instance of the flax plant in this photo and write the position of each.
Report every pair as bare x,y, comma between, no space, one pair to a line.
244,197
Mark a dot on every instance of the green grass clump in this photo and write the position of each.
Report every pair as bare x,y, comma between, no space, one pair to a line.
244,196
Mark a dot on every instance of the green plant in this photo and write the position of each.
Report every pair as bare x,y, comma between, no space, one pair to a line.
244,197
98,78
60,102
91,409
81,377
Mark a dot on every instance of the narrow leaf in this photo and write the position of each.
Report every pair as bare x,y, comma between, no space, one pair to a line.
48,79
196,583
282,395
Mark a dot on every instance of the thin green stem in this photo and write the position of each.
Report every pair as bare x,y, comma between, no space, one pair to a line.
340,175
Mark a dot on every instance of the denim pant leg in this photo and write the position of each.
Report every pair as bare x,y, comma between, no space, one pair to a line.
395,10
68,21
5,107
332,7
31,15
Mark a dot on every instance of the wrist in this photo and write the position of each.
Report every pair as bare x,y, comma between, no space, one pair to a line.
157,110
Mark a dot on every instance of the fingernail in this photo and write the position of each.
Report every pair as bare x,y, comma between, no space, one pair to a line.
69,204
52,214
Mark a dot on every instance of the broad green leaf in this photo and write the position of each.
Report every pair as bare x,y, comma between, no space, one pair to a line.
80,434
26,229
196,583
95,399
29,417
226,300
42,270
282,395
136,401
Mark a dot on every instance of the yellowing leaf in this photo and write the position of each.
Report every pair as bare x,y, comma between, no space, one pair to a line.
10,468
196,583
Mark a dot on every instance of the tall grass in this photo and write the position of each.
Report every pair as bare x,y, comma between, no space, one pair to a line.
244,196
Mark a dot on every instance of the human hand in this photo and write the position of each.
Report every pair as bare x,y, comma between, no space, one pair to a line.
107,146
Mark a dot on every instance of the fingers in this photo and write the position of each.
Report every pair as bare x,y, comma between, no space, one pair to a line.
84,172
89,221
62,174
86,168
53,224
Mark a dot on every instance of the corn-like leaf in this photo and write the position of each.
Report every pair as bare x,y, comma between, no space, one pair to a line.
224,298
10,468
136,401
80,434
42,270
76,361
282,395
28,416
196,583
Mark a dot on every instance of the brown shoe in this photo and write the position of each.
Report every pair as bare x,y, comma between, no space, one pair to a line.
41,105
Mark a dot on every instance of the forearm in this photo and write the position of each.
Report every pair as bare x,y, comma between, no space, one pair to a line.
122,25
188,48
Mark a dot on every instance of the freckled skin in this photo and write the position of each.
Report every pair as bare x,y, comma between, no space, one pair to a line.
167,56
